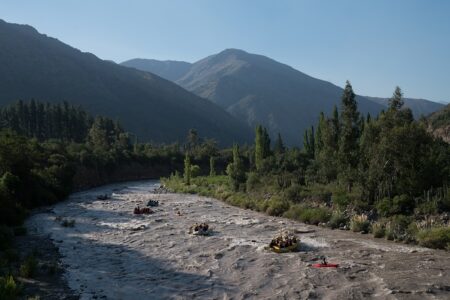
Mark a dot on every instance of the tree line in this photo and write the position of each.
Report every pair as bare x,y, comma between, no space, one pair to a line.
386,174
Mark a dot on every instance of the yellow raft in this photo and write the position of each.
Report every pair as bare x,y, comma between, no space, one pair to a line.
290,248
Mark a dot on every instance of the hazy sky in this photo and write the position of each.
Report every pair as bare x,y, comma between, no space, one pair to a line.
374,44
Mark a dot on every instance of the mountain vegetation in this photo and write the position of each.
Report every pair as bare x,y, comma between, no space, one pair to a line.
386,175
40,67
439,123
259,90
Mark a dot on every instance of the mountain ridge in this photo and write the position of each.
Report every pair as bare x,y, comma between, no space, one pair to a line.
41,67
259,90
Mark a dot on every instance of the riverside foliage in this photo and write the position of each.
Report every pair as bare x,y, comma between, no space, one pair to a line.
385,174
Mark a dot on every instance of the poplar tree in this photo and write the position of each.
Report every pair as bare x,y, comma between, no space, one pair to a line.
259,147
235,169
308,142
318,140
187,170
212,170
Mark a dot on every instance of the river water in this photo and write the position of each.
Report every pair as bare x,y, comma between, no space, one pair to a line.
110,253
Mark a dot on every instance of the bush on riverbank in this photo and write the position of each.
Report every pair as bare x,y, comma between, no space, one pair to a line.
9,289
435,238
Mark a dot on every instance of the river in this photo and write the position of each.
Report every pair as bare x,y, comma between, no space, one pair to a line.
110,253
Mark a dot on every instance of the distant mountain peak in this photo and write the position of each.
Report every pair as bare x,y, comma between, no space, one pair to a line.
260,90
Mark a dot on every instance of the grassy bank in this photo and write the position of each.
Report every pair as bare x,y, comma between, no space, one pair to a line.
324,205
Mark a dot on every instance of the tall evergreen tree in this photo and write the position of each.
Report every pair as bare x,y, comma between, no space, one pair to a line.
349,131
396,101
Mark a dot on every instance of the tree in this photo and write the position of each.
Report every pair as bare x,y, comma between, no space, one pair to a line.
348,141
235,170
266,143
318,141
259,147
212,171
279,145
309,142
187,170
98,135
396,102
192,140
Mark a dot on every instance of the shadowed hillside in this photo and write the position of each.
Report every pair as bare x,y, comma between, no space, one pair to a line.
37,66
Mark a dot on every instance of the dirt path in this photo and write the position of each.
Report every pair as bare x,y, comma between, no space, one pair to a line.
112,254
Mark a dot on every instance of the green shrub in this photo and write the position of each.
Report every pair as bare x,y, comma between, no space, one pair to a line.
315,215
359,223
293,193
253,180
309,215
402,204
378,229
277,206
338,219
340,199
384,207
397,228
438,238
29,266
8,288
195,171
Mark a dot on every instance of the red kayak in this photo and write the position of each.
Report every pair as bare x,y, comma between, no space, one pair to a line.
325,265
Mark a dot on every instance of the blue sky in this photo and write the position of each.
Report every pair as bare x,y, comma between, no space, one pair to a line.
374,44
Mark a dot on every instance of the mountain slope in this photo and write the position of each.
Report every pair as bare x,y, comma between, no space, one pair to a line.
419,107
169,69
40,67
257,89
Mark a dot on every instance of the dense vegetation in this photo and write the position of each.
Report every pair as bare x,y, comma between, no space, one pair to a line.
386,175
46,148
49,150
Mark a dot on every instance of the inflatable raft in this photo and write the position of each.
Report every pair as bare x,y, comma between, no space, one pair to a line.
290,248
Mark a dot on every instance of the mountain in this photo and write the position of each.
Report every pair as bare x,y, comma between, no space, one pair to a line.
439,123
168,69
36,66
419,107
260,90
